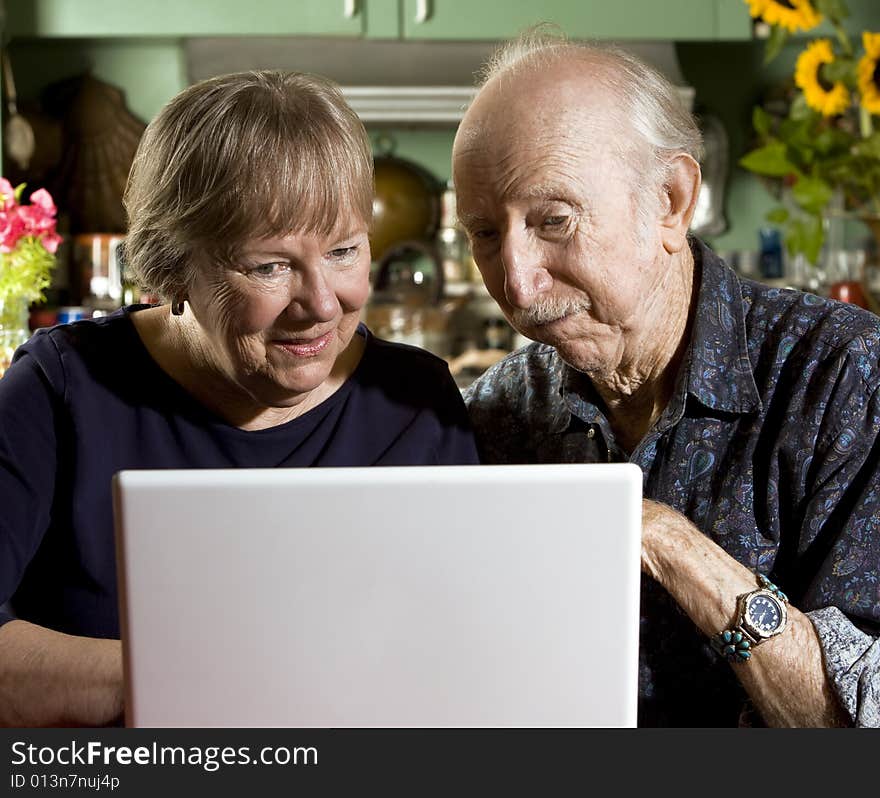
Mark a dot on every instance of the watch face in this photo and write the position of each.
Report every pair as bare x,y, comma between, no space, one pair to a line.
764,614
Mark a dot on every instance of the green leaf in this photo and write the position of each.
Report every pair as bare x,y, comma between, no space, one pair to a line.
835,10
831,140
800,111
26,271
815,236
794,234
796,128
761,121
841,69
777,216
811,193
770,160
776,41
805,235
869,147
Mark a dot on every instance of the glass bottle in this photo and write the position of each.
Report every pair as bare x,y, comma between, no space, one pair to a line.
14,328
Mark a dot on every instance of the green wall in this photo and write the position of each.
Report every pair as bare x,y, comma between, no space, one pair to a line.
729,79
149,71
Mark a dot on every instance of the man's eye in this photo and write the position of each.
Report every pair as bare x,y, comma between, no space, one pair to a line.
340,253
483,234
555,221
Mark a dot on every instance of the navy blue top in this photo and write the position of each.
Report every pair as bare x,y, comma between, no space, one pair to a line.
770,445
85,400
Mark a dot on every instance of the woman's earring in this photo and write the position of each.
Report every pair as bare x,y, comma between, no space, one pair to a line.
177,308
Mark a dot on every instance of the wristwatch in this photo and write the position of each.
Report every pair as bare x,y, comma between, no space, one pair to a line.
760,615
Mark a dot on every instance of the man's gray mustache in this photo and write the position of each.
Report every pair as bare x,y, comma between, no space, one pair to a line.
543,311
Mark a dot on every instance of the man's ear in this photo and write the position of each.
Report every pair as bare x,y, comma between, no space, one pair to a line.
679,201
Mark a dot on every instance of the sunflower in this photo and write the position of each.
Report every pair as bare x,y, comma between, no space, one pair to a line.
793,15
827,101
869,73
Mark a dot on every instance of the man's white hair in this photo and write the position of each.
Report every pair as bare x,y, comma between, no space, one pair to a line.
662,125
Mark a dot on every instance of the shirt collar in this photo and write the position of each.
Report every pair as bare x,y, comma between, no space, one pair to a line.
719,370
716,369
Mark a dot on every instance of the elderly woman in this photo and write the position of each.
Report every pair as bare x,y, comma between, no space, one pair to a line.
249,204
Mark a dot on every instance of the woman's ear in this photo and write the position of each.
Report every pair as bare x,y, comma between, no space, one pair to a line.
681,190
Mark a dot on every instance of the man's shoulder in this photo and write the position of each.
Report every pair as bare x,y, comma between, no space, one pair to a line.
516,405
814,328
529,376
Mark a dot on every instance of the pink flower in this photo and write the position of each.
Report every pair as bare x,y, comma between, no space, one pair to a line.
51,241
36,220
11,230
43,199
8,193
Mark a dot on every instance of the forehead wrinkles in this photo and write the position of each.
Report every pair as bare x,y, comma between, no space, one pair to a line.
545,113
541,170
515,170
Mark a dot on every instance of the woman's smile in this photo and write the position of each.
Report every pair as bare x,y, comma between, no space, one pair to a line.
305,347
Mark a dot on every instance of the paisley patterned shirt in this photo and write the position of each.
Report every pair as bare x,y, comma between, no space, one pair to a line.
770,445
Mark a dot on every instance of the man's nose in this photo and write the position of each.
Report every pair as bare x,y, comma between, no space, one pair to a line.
525,274
313,297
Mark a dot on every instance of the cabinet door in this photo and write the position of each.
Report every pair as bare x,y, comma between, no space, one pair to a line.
605,19
173,18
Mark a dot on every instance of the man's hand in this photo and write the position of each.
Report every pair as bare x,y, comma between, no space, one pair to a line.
785,678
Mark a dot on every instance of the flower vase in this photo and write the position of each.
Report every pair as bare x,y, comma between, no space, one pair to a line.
14,329
845,268
849,285
871,267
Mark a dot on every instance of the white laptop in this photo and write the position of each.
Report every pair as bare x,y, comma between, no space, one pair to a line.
448,596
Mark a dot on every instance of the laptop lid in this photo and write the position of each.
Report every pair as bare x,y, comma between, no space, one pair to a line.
448,596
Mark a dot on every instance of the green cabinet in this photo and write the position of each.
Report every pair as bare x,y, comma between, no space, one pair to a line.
179,18
454,20
679,20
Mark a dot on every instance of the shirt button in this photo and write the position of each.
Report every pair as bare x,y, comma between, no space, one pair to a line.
591,433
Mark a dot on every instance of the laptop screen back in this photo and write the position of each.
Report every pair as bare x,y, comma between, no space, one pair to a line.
380,597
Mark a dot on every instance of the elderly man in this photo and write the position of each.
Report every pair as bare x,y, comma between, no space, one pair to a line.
752,411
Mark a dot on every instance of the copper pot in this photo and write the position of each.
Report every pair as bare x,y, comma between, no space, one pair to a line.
406,206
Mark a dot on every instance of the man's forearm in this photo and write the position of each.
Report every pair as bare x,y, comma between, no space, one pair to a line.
785,678
52,679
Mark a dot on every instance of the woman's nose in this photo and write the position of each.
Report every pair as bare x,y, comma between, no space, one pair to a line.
314,297
525,275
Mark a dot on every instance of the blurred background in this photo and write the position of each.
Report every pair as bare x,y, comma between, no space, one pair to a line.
85,76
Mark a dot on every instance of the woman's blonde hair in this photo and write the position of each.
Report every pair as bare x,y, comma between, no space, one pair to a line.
237,157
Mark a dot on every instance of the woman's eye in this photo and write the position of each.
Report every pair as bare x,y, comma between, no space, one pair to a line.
267,269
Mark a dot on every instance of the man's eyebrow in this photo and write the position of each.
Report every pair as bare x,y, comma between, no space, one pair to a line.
470,219
540,191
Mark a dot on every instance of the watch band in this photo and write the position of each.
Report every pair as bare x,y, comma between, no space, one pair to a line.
764,582
737,641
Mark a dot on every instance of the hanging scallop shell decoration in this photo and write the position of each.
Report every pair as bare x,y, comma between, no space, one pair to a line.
100,139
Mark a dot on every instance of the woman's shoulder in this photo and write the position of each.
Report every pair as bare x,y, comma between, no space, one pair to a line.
394,355
82,344
408,376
